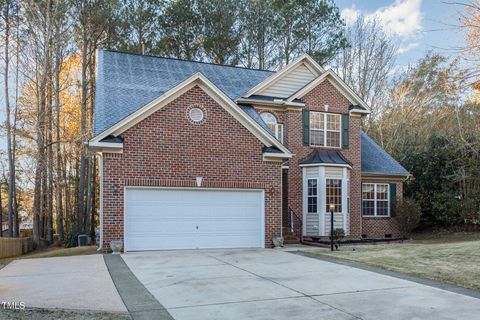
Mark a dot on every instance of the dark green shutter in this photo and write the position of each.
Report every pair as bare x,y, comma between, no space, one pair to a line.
393,199
345,127
306,127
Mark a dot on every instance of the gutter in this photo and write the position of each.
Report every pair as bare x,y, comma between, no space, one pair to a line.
276,102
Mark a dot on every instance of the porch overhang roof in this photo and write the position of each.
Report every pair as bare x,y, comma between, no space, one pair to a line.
325,157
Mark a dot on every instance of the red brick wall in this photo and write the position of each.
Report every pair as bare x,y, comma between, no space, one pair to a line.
378,227
166,149
324,94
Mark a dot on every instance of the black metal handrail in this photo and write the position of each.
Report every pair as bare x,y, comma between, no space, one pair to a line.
294,223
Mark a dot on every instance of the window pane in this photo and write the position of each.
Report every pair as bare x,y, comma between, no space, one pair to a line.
333,139
333,122
334,194
316,137
368,207
312,205
382,208
312,187
312,195
272,127
316,120
382,192
268,118
368,191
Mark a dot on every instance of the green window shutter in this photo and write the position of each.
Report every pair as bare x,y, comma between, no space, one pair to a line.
306,127
393,199
345,127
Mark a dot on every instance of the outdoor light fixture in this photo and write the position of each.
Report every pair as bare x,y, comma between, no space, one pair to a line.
332,208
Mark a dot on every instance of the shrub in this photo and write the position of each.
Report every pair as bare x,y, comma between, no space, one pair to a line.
72,239
408,215
338,234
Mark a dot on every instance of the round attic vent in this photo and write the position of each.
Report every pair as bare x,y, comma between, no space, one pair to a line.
196,114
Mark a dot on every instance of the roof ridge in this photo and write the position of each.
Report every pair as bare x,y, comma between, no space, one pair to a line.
183,60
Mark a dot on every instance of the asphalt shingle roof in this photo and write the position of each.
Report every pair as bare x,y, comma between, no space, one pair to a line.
255,116
378,161
126,82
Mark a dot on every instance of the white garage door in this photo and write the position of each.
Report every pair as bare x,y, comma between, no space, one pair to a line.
158,219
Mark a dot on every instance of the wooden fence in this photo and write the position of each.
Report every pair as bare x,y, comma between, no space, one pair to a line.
12,247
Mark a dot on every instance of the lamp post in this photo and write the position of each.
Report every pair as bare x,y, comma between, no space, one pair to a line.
332,208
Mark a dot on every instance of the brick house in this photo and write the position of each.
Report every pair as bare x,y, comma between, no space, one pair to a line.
199,155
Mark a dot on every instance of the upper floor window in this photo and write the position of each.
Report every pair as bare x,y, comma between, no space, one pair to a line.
271,122
325,129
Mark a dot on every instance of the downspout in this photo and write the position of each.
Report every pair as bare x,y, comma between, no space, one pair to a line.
100,173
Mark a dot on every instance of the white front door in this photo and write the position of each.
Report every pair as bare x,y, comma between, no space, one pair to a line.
159,219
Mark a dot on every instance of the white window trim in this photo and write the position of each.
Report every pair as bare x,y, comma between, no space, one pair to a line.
278,129
325,130
375,215
279,132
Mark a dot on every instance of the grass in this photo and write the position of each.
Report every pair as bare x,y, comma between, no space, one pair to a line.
51,252
54,314
451,258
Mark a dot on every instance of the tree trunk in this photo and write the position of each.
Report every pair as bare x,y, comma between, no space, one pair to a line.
68,202
83,128
41,174
14,131
90,181
50,168
11,167
59,184
36,206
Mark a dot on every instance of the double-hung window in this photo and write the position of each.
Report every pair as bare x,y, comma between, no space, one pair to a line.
334,194
312,196
325,129
375,199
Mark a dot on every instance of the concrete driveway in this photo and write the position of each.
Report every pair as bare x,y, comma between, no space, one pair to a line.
271,284
78,282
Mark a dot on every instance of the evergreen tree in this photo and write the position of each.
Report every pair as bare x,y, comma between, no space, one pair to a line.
138,25
181,30
220,34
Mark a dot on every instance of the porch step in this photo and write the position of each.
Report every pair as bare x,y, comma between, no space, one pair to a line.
291,241
290,238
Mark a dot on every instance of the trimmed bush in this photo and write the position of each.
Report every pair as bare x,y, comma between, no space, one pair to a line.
408,214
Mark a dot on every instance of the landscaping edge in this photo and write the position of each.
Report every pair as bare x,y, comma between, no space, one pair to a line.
432,283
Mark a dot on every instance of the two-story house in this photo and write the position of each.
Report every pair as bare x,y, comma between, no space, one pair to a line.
199,155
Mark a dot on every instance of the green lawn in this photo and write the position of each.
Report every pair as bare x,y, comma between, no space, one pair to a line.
52,252
453,258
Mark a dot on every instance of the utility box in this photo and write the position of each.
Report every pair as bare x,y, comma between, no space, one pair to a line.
82,240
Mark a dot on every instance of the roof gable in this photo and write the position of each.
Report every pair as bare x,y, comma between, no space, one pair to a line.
289,79
340,85
126,82
287,85
206,85
375,160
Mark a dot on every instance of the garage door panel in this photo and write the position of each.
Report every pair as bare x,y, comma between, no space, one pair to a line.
157,219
